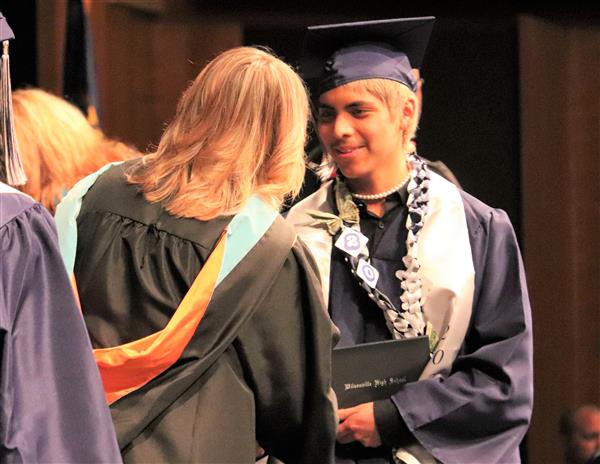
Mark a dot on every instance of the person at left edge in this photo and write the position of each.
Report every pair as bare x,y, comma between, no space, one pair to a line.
257,367
52,408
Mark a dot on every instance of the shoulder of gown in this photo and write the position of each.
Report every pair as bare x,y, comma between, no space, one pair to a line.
47,357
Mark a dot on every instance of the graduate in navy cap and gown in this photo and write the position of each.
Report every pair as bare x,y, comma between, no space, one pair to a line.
52,406
402,252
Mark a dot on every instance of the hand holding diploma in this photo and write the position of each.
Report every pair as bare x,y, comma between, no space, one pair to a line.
358,424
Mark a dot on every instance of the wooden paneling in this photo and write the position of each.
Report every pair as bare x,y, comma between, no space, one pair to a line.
145,61
145,58
51,22
560,114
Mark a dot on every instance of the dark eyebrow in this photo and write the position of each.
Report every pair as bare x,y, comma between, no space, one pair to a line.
358,103
354,104
324,105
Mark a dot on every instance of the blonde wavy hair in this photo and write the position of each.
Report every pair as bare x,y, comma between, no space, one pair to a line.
240,129
57,145
395,96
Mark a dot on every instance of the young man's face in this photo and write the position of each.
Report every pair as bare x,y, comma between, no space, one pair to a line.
361,134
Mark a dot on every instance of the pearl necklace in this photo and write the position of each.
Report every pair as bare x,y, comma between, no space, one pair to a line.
379,196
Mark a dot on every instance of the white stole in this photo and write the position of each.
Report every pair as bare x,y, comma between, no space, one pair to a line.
447,271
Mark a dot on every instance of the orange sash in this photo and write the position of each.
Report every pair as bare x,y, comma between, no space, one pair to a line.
128,367
125,368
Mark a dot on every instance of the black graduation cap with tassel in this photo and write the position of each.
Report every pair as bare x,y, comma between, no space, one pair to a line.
11,169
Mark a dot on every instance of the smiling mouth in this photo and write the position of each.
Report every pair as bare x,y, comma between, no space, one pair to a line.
345,152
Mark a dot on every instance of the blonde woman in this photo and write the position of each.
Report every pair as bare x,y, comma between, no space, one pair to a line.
210,332
57,144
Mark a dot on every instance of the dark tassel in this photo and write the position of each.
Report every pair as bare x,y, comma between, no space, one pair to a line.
15,175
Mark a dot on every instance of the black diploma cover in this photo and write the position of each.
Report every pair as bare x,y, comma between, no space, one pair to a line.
375,371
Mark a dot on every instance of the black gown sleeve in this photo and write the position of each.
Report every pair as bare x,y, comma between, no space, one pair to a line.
295,413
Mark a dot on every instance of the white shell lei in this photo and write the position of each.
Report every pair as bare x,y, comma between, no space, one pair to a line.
410,282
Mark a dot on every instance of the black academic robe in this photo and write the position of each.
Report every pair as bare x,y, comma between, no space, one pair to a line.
52,406
257,368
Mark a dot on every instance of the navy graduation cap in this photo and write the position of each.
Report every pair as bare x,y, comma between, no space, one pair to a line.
337,54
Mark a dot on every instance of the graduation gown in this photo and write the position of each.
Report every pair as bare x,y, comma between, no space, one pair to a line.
52,406
477,407
256,370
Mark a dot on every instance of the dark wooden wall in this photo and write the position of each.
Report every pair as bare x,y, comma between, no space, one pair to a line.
146,54
560,122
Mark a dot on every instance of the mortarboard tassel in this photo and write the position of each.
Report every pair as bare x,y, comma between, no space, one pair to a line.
15,175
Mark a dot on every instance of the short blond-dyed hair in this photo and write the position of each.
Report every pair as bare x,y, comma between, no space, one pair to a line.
57,145
394,95
240,129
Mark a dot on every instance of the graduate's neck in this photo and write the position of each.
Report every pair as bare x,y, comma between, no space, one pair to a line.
379,183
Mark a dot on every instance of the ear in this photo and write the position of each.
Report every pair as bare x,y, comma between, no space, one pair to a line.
408,111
